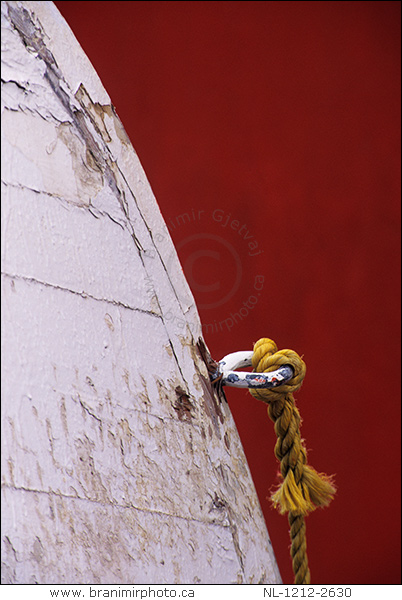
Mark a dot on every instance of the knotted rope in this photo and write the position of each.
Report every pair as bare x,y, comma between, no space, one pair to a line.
302,489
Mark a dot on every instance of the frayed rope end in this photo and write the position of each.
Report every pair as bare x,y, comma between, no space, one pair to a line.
313,491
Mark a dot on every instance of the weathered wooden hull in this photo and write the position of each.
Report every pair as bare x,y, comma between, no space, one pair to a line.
120,465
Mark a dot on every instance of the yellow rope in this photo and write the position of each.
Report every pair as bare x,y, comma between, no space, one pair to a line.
302,489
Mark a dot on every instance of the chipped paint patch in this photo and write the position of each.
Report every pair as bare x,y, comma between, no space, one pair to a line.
183,404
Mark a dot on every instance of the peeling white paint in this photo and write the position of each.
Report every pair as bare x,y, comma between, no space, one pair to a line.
119,464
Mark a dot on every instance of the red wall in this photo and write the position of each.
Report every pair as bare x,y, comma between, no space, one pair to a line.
284,116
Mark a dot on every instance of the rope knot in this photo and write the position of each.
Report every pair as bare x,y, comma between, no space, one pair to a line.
266,358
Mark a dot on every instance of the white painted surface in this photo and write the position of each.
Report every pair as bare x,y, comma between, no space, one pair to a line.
118,465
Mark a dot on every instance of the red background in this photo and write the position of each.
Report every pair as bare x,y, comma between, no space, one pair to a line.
287,116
